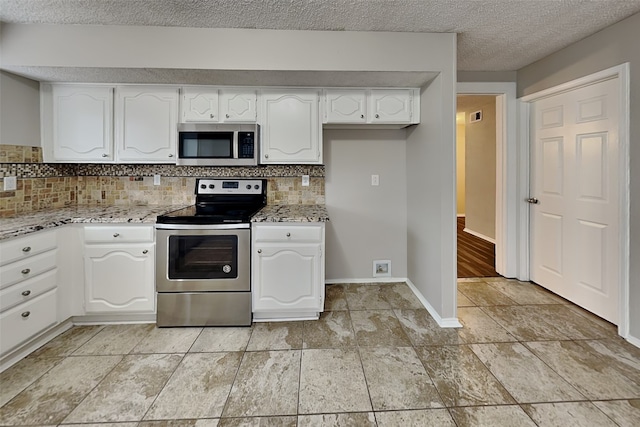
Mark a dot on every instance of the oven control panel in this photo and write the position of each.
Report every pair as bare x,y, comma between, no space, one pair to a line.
230,186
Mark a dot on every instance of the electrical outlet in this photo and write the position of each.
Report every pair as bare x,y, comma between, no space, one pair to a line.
156,179
375,180
305,180
10,183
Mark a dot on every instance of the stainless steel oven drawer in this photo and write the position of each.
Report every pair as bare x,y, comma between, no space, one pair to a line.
204,309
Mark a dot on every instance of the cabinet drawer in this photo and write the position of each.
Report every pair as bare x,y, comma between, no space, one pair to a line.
26,320
27,268
25,247
121,234
27,290
277,233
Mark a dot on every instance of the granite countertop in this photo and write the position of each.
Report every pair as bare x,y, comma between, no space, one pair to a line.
292,213
41,220
45,219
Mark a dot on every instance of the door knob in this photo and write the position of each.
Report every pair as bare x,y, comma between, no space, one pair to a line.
533,200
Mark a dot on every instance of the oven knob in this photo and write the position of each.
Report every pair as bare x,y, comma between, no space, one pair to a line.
203,186
226,268
256,186
248,186
212,186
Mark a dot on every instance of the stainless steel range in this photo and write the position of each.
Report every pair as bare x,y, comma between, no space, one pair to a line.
203,264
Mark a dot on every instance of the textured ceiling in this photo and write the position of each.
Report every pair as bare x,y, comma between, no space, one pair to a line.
494,35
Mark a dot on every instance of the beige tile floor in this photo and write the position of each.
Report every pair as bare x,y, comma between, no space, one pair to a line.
524,357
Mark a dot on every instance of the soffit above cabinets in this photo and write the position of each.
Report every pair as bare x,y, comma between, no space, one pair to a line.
226,77
494,35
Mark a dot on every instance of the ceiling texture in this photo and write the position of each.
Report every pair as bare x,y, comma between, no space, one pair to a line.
493,35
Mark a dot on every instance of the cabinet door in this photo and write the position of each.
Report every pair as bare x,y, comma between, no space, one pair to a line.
390,106
345,106
287,278
291,131
238,106
82,123
147,120
119,279
199,105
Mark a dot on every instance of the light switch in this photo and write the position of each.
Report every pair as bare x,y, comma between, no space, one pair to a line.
156,179
305,180
10,183
375,180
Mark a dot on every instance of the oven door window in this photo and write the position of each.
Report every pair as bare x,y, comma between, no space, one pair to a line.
203,257
205,145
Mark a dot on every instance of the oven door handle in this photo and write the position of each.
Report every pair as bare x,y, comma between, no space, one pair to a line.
231,226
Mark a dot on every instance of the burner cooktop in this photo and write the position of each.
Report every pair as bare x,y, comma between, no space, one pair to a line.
220,201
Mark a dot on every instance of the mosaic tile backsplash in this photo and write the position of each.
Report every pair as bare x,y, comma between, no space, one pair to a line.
55,185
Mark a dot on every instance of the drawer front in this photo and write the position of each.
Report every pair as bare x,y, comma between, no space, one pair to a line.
24,321
25,247
27,290
287,233
27,268
118,234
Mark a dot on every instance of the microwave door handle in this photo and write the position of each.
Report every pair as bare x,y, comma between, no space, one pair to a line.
235,144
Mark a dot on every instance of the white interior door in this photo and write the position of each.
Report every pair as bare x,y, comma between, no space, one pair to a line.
575,247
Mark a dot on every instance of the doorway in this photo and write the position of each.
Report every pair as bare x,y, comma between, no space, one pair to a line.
476,138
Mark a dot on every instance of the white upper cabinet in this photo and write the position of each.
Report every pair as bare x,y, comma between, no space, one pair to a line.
386,107
238,105
146,124
390,105
199,104
345,106
78,126
216,105
291,130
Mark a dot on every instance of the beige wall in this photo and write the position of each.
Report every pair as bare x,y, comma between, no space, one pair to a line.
367,222
612,46
431,204
19,110
480,164
460,163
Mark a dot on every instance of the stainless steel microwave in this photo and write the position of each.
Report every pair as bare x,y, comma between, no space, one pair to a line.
204,144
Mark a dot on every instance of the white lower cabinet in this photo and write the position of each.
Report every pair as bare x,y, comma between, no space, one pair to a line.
28,286
24,321
120,274
288,271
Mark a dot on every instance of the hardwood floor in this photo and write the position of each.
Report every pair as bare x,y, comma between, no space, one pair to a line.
476,257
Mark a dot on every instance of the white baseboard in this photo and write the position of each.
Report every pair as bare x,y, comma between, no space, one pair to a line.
633,340
482,236
449,322
371,280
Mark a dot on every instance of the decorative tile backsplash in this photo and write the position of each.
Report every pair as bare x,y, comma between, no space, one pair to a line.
56,185
34,194
20,154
